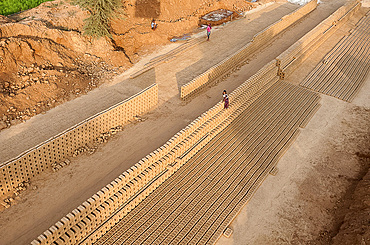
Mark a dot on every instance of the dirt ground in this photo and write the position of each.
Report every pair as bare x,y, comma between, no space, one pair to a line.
319,156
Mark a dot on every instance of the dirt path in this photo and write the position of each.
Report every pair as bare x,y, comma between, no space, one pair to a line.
57,194
309,198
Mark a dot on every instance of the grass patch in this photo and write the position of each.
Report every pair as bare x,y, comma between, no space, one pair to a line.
98,24
8,7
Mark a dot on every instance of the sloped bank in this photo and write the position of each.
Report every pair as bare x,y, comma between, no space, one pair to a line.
45,59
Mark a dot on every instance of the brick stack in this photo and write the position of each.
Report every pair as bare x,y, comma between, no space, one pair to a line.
259,40
57,149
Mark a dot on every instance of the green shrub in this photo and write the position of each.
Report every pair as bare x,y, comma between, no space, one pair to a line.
14,6
101,13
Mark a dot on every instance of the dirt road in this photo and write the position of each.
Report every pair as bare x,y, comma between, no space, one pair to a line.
51,196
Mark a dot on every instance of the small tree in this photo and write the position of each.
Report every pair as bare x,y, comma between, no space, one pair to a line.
101,13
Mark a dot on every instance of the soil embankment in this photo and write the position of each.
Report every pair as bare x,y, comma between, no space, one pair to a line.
46,60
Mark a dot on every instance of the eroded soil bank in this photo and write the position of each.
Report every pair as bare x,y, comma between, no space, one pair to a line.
46,60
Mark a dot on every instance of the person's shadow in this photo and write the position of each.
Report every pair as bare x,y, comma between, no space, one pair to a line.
149,9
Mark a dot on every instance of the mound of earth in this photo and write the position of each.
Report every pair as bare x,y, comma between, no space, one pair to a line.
45,59
355,226
217,17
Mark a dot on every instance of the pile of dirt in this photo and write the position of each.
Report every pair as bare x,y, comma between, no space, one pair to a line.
335,196
356,222
217,17
45,59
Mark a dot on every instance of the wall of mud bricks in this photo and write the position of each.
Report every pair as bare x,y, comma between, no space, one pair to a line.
38,159
290,59
263,37
259,40
89,221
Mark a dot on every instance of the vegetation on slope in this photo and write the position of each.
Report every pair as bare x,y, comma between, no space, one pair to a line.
101,13
13,6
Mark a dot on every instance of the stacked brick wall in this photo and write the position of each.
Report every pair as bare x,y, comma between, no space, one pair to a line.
95,216
259,40
289,60
263,37
38,159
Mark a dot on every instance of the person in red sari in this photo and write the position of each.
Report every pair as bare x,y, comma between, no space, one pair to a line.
225,99
208,31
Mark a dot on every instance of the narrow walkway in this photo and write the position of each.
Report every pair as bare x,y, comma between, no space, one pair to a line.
196,204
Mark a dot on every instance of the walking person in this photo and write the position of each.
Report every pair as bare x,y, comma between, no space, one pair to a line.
208,31
225,99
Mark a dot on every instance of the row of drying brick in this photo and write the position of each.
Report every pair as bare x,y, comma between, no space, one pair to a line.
41,157
164,219
304,47
199,138
276,141
258,41
344,69
106,207
357,39
151,200
263,37
145,205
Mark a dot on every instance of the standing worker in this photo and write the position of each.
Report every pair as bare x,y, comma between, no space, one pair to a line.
208,31
225,99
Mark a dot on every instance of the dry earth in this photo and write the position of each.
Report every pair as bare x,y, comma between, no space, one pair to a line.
317,166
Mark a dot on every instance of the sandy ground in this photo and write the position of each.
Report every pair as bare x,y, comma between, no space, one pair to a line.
366,3
51,196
